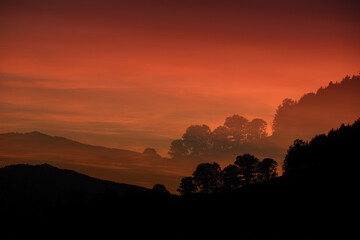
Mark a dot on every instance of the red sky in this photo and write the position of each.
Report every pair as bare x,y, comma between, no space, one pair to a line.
135,74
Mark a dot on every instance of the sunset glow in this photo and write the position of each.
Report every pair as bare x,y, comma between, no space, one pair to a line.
135,74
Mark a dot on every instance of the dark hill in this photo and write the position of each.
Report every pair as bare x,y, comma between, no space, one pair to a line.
45,202
317,113
46,181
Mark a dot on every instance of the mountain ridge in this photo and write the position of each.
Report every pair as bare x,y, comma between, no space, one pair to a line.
142,169
59,138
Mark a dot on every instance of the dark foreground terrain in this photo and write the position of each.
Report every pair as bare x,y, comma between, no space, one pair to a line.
315,199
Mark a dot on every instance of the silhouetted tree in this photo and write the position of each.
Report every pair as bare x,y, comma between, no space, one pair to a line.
327,160
247,164
187,186
296,157
150,151
247,169
197,139
221,138
256,130
266,169
178,149
237,126
207,177
230,177
286,104
160,188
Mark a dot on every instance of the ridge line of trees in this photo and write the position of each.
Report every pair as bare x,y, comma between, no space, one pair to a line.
200,140
210,178
313,113
318,159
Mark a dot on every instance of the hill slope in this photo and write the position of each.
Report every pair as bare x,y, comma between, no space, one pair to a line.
106,163
46,181
43,146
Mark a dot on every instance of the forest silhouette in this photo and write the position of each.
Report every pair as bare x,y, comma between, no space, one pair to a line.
312,114
245,199
247,169
200,140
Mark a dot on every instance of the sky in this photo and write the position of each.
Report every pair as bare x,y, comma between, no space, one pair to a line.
136,74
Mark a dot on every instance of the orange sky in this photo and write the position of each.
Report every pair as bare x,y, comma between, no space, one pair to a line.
133,74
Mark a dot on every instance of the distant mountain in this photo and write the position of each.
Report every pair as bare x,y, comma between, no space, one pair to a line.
317,113
143,169
37,143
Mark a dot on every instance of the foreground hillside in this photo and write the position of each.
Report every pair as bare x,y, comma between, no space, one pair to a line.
45,181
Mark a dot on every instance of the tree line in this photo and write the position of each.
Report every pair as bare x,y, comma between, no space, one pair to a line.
311,114
210,178
330,156
322,157
318,111
199,139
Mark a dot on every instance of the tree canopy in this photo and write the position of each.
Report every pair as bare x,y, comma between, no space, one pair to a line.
207,177
318,112
328,156
210,178
200,140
